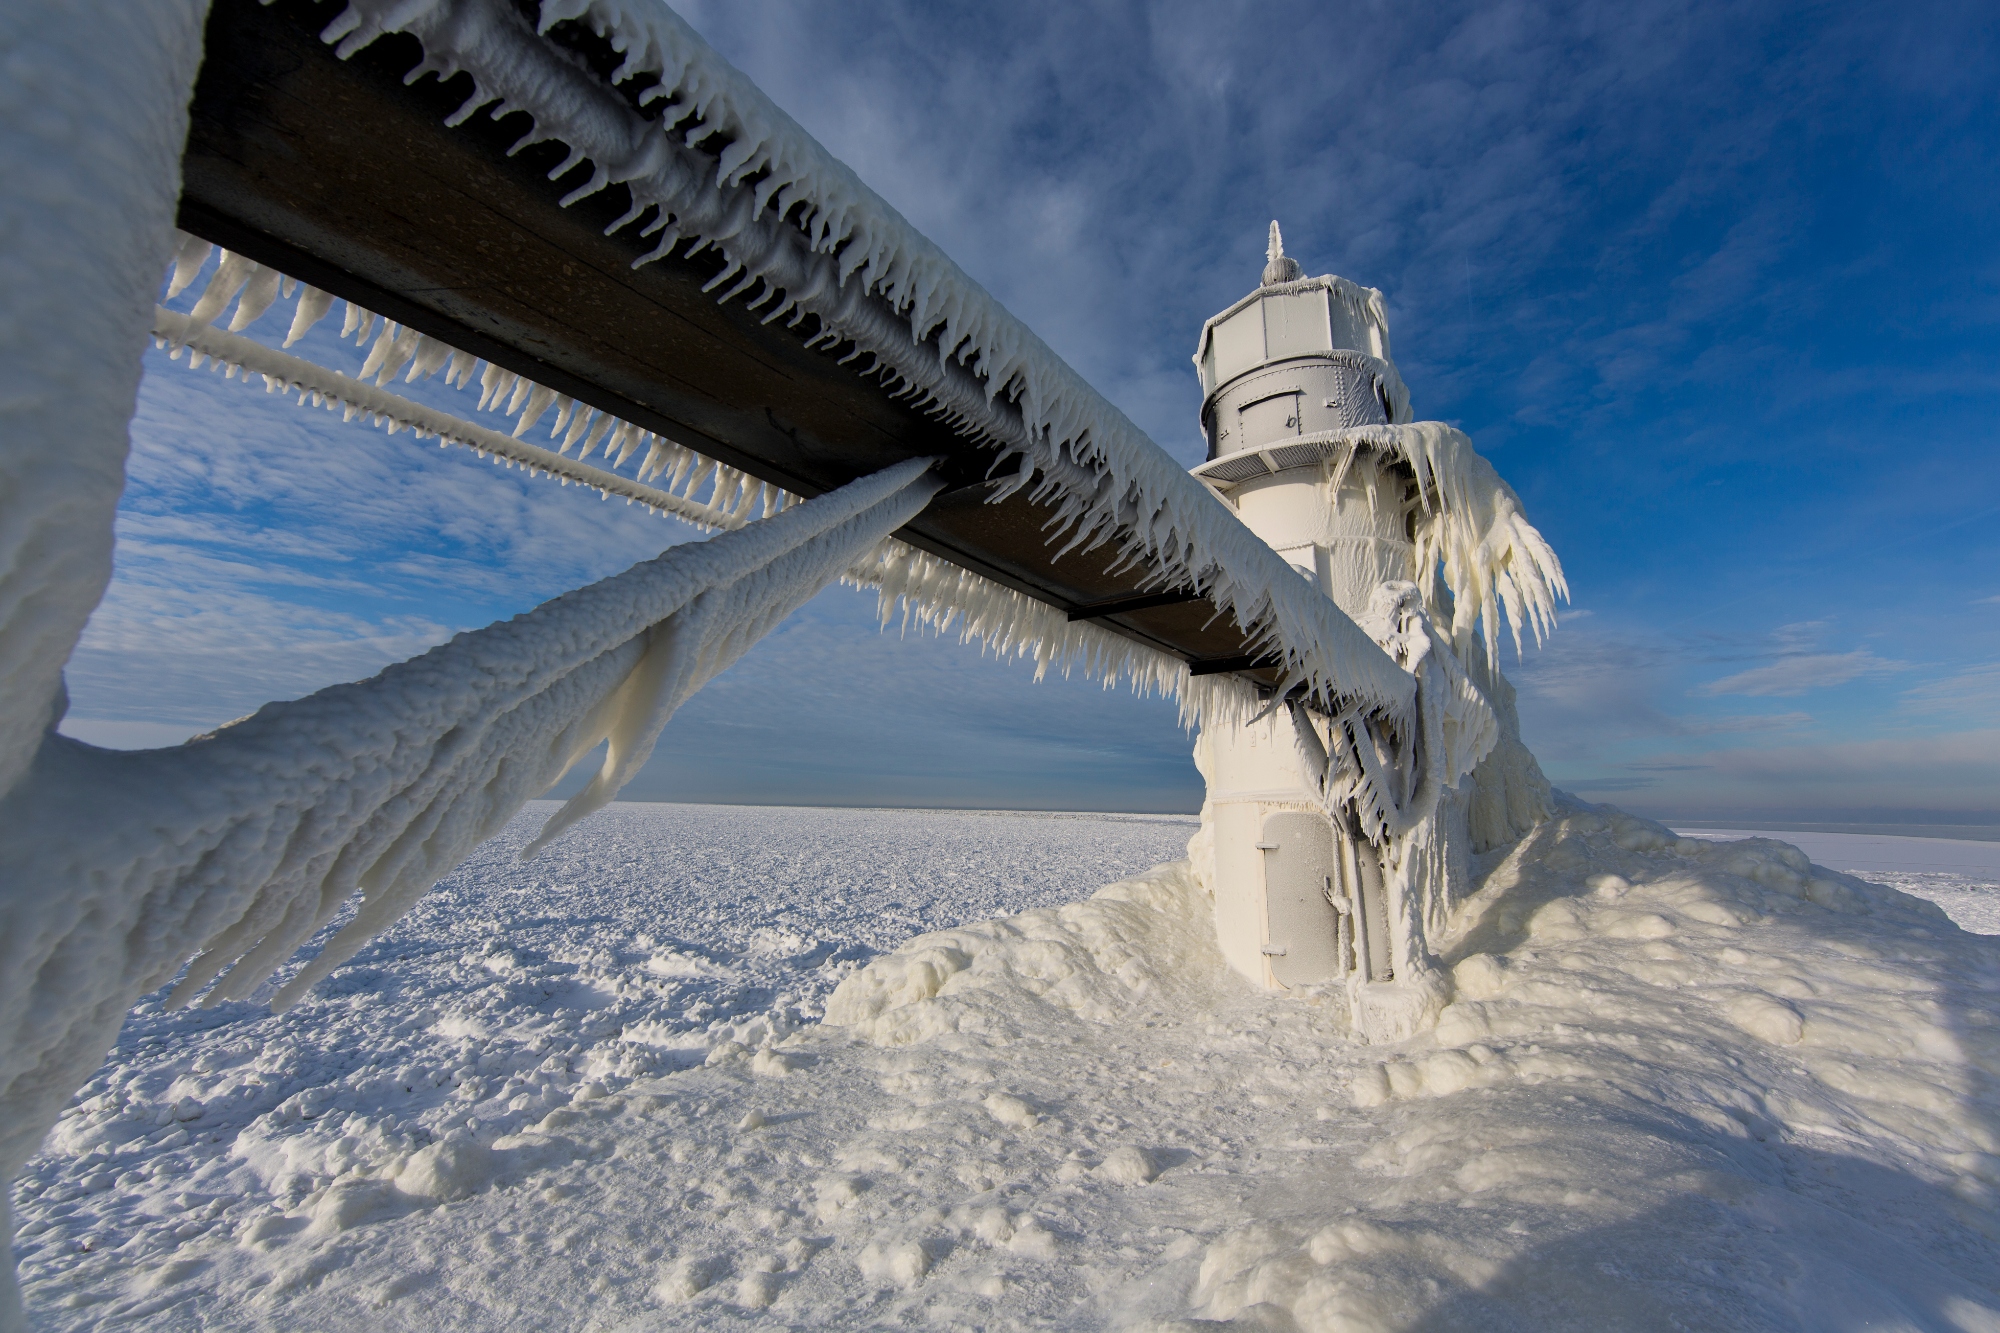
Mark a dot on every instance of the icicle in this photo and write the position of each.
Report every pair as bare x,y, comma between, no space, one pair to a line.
429,355
655,459
379,353
634,437
313,305
564,406
401,350
459,373
747,500
577,426
258,294
682,467
704,467
493,385
614,447
189,256
538,403
603,423
230,275
524,389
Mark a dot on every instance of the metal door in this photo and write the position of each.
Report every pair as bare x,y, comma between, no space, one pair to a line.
1268,421
1300,876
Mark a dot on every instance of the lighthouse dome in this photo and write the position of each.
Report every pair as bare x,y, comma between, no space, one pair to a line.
1297,357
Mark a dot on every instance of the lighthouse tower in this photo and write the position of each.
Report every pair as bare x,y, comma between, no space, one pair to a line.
1287,373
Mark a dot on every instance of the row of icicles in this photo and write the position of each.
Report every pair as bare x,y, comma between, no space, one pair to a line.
255,288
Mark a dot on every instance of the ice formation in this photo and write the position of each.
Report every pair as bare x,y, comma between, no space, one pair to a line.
320,387
94,110
241,842
919,587
1337,848
798,228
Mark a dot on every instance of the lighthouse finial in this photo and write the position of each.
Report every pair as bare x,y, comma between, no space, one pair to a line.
1277,266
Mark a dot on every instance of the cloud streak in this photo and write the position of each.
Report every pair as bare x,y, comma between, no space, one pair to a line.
1795,675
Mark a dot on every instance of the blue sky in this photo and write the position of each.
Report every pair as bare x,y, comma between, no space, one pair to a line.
1717,290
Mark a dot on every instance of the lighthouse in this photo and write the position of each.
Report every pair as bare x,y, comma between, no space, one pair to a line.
1293,378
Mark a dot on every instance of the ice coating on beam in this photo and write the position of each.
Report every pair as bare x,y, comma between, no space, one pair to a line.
919,587
798,226
396,348
93,114
95,110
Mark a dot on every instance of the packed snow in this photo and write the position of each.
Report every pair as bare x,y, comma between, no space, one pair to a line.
1958,874
1683,1084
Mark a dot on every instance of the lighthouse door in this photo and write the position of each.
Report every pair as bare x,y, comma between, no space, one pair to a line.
1268,420
1302,924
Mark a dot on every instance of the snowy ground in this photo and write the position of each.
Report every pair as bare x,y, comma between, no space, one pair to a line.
1684,1085
1957,874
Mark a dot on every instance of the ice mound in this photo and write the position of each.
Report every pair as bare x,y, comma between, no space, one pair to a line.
1146,941
1681,1084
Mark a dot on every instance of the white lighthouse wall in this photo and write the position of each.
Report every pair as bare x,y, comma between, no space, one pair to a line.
1347,541
1346,535
1252,769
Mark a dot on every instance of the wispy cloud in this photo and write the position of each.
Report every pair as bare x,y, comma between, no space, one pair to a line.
1971,696
1800,673
1592,689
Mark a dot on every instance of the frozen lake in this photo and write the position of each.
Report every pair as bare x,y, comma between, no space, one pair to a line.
627,950
590,1092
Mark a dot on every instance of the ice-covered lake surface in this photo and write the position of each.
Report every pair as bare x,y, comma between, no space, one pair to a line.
1683,1084
1957,874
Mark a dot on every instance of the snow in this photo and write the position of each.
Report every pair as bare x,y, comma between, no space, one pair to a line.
1682,1084
1958,874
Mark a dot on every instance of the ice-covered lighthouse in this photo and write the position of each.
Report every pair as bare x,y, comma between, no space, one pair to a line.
1310,442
